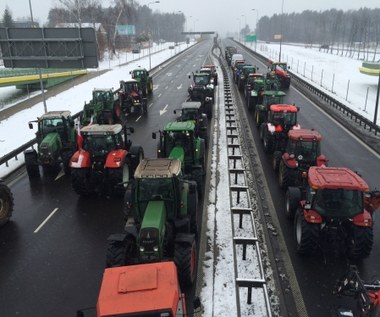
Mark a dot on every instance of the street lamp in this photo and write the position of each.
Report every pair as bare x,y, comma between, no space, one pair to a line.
282,17
257,20
150,56
243,15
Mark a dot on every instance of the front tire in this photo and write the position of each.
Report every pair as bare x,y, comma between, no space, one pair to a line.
80,181
6,204
360,242
31,164
185,259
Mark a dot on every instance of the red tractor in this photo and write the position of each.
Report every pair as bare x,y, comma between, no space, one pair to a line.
280,71
280,120
105,160
141,290
303,150
333,212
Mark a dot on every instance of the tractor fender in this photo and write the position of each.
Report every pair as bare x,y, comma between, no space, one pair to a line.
184,238
80,159
130,231
363,219
31,152
289,161
322,160
312,216
116,158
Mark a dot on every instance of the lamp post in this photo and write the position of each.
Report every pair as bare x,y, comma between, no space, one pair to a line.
282,14
150,57
245,17
257,20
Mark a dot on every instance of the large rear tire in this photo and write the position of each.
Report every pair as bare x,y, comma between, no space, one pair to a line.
284,178
268,142
136,156
120,253
185,259
80,181
6,204
306,234
292,197
31,164
360,243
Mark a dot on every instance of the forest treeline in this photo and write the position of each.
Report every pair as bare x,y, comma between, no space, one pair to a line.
350,31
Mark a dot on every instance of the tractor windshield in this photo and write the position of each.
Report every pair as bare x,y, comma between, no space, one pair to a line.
101,144
155,188
189,114
201,80
51,125
271,100
309,150
284,118
339,203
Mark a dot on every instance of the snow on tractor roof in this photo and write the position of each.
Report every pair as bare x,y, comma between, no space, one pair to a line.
139,288
158,168
283,108
336,178
101,129
176,126
55,114
191,105
304,135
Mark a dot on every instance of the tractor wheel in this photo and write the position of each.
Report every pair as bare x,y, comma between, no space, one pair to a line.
66,156
292,197
284,178
276,159
120,253
197,176
259,117
150,88
268,142
80,181
192,207
31,164
6,204
261,134
360,242
136,156
306,234
116,178
185,259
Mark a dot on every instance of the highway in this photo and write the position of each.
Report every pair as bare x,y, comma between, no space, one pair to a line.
53,268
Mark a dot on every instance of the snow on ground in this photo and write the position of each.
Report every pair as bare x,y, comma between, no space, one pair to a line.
14,131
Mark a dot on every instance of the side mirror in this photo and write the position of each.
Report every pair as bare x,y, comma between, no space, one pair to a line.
30,125
132,129
175,111
154,135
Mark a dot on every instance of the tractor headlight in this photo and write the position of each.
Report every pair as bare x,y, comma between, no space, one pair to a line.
155,248
142,249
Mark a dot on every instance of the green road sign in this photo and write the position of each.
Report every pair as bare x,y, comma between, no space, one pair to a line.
250,38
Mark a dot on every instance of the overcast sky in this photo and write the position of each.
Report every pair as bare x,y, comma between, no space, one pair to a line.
205,15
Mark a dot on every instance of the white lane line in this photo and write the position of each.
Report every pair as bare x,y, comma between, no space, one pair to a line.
46,220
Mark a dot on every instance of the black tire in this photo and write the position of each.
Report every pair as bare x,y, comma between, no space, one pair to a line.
268,142
66,157
292,198
306,235
284,178
197,176
120,253
136,154
116,180
80,181
262,128
31,164
192,206
185,259
276,159
6,204
360,243
259,117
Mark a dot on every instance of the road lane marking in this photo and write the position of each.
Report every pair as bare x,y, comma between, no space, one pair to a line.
46,220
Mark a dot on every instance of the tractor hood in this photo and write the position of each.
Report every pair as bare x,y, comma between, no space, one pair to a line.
152,231
50,143
178,153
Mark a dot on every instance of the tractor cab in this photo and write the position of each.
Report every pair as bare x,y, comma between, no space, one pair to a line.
282,116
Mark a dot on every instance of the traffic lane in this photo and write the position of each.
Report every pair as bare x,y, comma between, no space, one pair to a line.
59,268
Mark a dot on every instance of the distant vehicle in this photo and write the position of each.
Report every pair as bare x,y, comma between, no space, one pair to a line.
136,49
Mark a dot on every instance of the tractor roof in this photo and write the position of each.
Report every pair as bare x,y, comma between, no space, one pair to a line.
304,135
158,168
129,81
101,129
55,114
139,288
177,126
208,66
279,63
274,93
335,178
249,67
205,70
256,75
191,105
102,89
283,108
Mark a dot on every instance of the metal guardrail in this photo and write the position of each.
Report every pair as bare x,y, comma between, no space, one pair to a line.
247,251
324,97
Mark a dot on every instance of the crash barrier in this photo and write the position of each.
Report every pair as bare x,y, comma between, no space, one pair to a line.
323,99
250,284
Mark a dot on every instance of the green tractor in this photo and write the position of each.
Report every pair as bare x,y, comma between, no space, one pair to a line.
103,108
57,142
6,203
146,81
160,208
178,140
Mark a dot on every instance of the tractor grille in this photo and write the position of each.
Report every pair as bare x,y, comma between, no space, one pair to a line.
149,238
